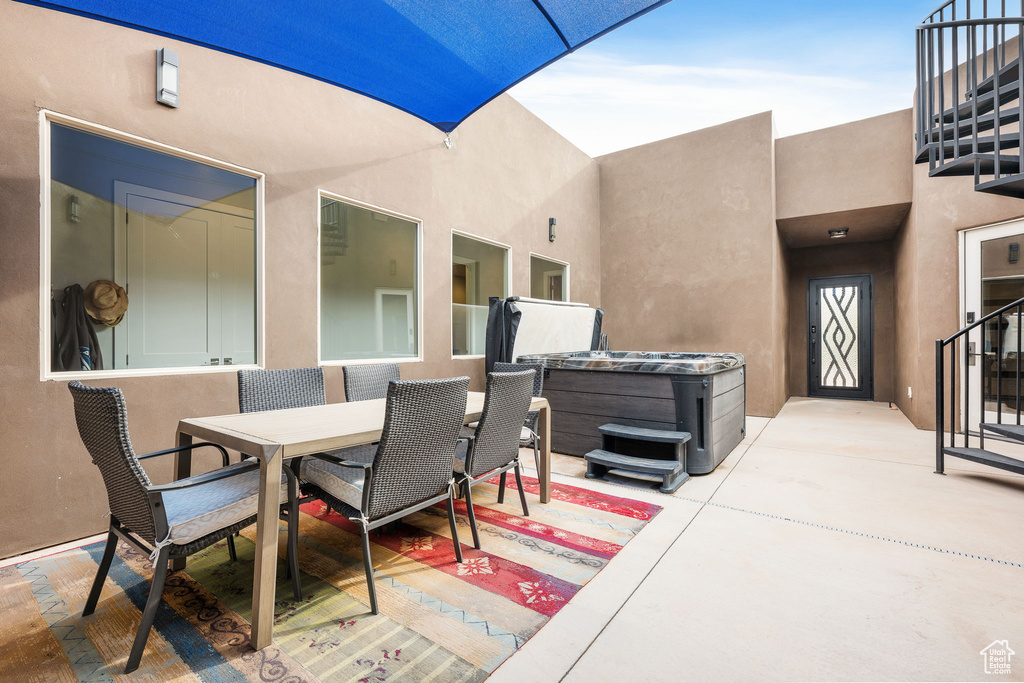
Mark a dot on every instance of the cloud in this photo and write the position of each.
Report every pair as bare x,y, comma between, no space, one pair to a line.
603,103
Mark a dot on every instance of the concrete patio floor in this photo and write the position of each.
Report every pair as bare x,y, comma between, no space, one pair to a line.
823,548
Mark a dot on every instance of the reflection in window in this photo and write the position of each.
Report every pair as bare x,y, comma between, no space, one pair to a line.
153,258
1002,283
479,271
368,284
549,280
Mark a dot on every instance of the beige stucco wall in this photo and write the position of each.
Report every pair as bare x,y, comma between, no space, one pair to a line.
928,272
506,175
854,166
691,259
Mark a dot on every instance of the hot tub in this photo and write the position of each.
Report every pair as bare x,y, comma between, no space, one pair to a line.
700,393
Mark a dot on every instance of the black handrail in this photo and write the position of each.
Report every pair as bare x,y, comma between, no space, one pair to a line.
963,337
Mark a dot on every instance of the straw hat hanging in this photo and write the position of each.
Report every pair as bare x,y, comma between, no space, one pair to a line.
105,302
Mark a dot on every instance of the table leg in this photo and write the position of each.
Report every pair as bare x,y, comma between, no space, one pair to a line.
182,470
544,466
264,584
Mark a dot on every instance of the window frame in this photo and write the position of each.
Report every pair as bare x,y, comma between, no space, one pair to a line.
418,284
48,117
568,279
451,288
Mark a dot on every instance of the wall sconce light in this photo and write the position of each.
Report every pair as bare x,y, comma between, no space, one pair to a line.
1014,252
838,234
167,77
73,209
551,229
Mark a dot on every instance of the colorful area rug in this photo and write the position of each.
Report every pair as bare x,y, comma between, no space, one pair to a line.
439,620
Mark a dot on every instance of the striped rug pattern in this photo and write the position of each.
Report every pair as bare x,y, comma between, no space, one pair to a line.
439,620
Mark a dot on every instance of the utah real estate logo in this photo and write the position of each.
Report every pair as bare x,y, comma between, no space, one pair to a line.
997,657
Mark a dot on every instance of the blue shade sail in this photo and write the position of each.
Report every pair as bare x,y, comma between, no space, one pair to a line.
439,60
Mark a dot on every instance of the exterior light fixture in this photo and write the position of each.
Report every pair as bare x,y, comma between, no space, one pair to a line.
167,80
838,234
73,209
1014,252
551,229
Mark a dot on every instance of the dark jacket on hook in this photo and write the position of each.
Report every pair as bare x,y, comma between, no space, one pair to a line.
75,345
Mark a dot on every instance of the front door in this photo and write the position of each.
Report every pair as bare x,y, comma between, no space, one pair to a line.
839,353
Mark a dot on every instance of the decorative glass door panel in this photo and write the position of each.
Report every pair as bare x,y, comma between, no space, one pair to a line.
839,340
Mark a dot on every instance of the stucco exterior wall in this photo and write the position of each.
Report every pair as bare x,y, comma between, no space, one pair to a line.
859,165
507,174
690,254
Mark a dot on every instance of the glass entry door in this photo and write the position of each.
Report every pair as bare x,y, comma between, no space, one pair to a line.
839,353
993,278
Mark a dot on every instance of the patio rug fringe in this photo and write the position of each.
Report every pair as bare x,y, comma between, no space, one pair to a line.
439,620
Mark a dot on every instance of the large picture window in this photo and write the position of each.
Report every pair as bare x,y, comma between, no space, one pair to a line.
369,283
479,271
152,258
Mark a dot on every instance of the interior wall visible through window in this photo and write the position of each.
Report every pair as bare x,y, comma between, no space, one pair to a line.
549,280
153,258
369,284
479,271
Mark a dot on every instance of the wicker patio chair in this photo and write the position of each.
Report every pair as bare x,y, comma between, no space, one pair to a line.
168,521
493,447
412,468
366,382
528,438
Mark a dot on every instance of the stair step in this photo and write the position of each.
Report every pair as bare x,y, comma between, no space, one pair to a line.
1008,186
985,124
628,462
986,103
643,434
986,145
1007,75
984,457
1011,431
964,166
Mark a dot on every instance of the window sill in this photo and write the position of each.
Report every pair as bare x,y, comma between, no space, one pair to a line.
369,361
144,372
470,357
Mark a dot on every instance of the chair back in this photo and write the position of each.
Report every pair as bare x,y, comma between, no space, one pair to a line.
422,421
367,382
501,423
538,379
260,390
102,420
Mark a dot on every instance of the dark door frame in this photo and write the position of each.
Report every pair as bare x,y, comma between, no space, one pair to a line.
865,304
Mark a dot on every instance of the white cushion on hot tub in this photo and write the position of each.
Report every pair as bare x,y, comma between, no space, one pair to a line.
553,328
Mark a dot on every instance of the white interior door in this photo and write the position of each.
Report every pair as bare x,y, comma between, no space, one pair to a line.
993,276
189,271
395,316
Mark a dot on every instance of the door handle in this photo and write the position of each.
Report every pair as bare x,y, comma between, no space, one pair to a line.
972,353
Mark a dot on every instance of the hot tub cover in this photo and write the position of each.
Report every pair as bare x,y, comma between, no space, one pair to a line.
439,60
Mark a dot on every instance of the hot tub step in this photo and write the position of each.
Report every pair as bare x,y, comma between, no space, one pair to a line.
671,473
628,462
644,434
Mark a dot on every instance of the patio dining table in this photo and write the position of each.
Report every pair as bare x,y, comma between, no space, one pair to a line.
275,436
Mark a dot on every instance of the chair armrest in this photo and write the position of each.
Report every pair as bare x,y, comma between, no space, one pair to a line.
469,438
203,478
338,461
223,451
